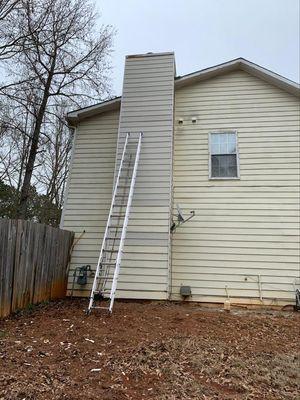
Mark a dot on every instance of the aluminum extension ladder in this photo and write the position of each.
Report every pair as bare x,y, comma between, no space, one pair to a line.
109,262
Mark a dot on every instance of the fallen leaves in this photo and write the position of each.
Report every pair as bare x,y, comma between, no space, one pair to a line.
149,351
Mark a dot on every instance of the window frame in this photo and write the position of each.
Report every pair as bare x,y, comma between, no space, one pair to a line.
210,177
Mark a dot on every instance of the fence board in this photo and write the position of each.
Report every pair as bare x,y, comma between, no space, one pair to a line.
7,252
37,297
18,279
33,263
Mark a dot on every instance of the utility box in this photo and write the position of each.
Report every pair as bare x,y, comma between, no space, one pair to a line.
185,291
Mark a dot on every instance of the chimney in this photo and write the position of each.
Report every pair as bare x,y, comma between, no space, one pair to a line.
147,106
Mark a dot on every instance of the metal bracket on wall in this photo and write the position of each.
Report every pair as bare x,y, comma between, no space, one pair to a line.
181,219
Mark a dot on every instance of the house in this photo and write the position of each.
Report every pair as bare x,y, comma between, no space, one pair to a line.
223,142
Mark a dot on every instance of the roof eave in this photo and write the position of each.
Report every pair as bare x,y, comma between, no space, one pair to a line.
240,63
271,77
245,65
76,116
206,73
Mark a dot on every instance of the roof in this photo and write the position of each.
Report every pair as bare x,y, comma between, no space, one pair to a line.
180,81
109,105
244,65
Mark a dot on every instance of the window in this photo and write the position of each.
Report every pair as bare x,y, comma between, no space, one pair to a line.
223,155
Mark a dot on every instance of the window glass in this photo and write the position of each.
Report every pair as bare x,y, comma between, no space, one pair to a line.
223,153
223,148
231,148
215,149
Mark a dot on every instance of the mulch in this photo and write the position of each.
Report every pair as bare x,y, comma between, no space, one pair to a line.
149,350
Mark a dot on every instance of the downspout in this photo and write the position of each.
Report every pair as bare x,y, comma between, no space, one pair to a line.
171,191
66,191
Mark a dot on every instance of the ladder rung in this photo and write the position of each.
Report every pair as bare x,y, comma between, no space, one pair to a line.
106,291
97,292
108,269
103,277
108,263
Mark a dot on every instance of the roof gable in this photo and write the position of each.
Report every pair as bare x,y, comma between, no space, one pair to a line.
244,65
283,83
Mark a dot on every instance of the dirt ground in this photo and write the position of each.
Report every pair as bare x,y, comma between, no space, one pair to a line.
160,351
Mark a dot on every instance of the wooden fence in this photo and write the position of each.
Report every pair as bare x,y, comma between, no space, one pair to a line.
33,263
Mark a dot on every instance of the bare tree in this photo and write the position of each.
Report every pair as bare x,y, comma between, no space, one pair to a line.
9,38
51,166
7,7
55,158
61,57
15,127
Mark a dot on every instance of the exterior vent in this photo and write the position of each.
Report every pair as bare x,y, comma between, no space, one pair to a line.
185,291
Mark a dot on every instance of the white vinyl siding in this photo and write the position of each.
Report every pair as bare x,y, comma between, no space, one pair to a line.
244,230
90,190
245,234
147,106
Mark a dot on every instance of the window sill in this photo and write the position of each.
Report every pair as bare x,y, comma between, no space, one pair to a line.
237,178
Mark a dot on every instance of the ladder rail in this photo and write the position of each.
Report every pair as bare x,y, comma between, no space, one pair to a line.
107,225
125,223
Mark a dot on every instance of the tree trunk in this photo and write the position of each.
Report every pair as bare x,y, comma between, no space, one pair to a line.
31,160
34,144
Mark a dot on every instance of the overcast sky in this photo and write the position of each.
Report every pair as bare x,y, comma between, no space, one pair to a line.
204,33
